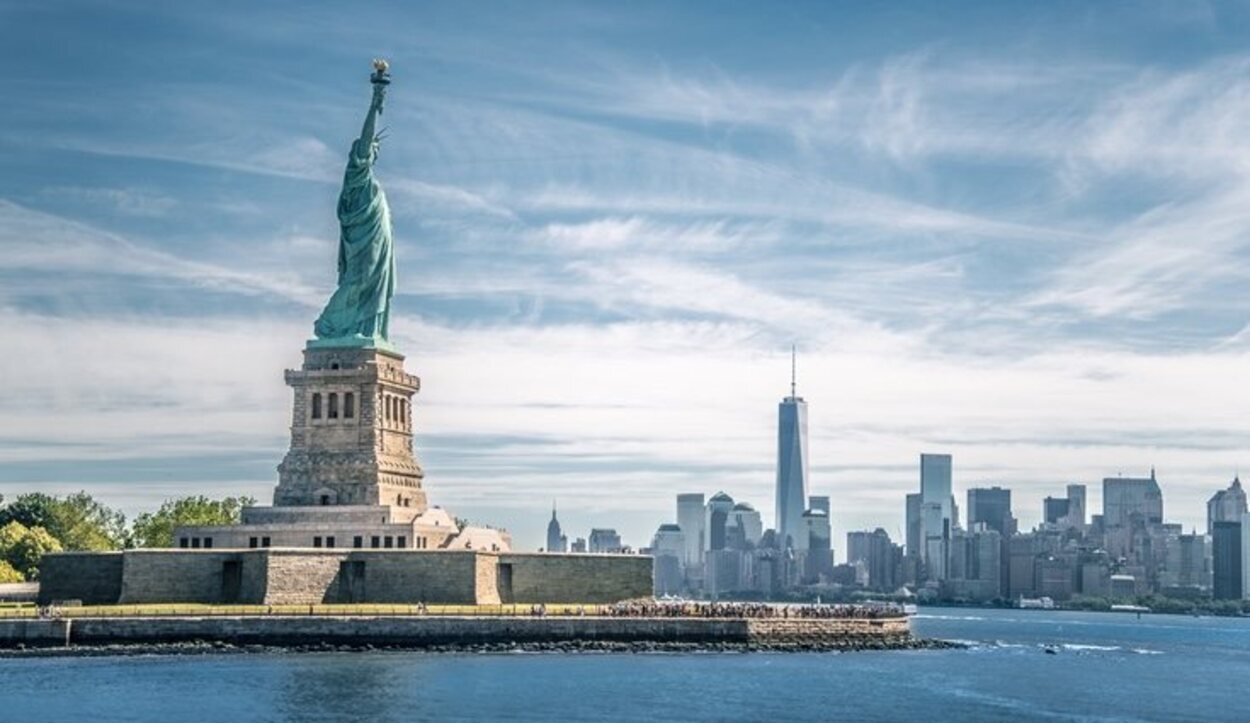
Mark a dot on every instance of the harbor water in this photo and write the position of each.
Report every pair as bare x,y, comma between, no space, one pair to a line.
1020,665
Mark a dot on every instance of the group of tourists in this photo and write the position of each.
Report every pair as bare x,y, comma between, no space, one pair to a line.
748,610
48,612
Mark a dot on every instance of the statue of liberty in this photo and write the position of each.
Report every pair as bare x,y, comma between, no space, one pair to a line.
358,314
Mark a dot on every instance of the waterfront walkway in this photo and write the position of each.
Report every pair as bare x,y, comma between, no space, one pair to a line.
658,609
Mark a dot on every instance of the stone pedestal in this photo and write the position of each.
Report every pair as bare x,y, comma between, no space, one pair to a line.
351,434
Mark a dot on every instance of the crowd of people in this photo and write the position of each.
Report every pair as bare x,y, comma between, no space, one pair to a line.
683,609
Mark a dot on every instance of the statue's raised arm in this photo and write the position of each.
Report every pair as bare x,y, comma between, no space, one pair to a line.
358,314
381,78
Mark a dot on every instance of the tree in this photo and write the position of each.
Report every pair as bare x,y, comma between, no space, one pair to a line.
156,529
31,510
79,522
8,573
23,547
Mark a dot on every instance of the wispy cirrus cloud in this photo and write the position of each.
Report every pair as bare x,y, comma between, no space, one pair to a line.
1188,239
1025,245
40,243
637,233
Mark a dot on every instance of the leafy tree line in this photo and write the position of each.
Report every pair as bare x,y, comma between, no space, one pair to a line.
35,524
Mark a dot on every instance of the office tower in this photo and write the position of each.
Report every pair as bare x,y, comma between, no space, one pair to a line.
1226,505
975,571
718,511
878,555
858,546
1245,556
1226,559
1054,510
819,502
935,482
958,550
668,546
720,562
691,518
860,550
1095,573
935,532
791,464
605,540
747,521
579,545
913,526
1055,576
1066,512
1188,562
935,512
986,562
1126,497
1022,552
556,541
1076,506
992,507
817,547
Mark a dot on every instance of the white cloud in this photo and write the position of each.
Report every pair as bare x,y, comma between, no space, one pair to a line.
651,408
126,201
961,245
636,233
1186,129
35,241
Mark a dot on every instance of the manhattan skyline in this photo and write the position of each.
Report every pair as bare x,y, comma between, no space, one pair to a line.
1020,240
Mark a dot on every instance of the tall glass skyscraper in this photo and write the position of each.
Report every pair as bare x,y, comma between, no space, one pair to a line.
791,465
914,548
691,517
991,505
1227,505
1123,497
1226,560
936,512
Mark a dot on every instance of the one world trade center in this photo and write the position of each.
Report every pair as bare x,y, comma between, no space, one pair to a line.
791,464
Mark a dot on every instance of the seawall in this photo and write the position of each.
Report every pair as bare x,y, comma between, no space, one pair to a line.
442,631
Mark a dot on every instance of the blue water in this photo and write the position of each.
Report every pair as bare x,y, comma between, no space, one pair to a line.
1109,667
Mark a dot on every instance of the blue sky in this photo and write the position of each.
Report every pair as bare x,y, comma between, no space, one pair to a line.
1015,232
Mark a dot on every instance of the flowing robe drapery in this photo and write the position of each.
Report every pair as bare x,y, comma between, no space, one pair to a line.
361,305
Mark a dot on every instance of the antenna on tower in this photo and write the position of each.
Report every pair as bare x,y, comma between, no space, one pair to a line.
793,366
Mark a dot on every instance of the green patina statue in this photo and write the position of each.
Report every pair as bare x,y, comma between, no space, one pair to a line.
358,314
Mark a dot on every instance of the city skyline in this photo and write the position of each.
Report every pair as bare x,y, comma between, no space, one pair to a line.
997,508
971,229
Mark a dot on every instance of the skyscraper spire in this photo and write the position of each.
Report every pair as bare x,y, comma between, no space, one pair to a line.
792,466
556,541
793,367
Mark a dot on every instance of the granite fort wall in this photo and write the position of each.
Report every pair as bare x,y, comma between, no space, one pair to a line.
574,578
422,631
278,576
95,578
190,576
379,576
293,578
464,577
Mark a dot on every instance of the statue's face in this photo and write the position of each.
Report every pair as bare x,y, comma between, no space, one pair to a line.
375,149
